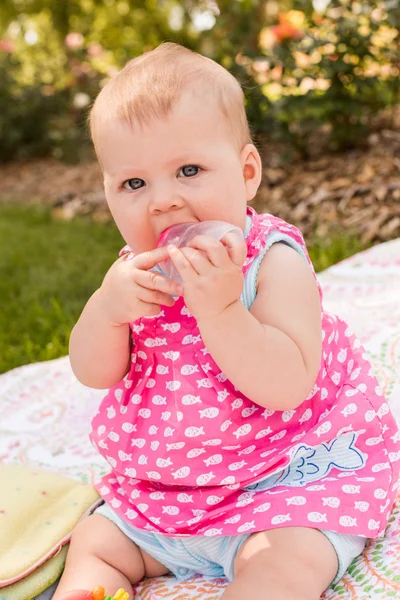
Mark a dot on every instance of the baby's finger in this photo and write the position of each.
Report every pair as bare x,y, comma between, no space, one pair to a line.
185,269
154,297
214,250
199,260
155,281
236,248
148,260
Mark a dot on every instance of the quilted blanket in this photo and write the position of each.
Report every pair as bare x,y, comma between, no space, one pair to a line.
45,415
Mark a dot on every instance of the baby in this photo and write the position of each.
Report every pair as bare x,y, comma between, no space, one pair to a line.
245,431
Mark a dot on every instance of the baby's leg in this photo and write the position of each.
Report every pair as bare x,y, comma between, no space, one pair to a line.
291,563
101,555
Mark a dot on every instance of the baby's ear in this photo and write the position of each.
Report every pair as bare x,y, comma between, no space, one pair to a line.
252,170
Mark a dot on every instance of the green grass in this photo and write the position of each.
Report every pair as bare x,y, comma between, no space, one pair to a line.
49,268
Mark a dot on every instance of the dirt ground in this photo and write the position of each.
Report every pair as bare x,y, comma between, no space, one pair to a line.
357,191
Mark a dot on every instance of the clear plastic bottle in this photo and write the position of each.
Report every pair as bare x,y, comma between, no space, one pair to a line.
180,235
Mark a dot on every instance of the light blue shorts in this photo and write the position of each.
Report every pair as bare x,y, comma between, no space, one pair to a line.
215,556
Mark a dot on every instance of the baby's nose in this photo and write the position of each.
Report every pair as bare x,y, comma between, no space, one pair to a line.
164,198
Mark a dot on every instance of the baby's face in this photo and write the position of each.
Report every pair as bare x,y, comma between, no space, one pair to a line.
185,168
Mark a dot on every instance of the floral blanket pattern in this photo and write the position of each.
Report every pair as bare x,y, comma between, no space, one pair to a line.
45,416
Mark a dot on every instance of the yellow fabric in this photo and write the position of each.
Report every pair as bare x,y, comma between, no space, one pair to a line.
39,580
38,510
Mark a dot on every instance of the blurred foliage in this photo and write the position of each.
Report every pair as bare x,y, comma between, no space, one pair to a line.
307,67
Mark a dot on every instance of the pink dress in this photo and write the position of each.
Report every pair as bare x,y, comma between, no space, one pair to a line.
191,455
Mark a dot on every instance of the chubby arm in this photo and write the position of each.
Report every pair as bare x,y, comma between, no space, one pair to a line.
100,341
271,353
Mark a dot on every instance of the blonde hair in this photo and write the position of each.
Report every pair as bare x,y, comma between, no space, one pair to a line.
150,85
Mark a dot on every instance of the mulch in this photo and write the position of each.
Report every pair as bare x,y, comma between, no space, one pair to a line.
357,191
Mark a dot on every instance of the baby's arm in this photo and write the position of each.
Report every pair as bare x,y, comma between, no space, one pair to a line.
272,354
100,341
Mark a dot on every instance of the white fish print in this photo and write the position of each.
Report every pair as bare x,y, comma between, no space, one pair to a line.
153,430
278,436
351,489
104,490
247,450
374,441
157,495
361,505
118,393
263,433
153,475
136,399
194,431
317,517
179,416
247,412
176,446
173,385
204,478
347,521
307,416
209,413
181,473
350,409
145,413
155,520
222,395
211,500
278,519
331,501
214,442
380,493
229,480
142,460
287,415
296,500
103,444
111,412
237,403
135,494
206,368
205,383
184,497
189,369
115,503
131,514
372,525
324,428
215,459
316,488
169,431
172,327
213,531
138,328
114,437
153,342
163,462
237,465
257,467
172,355
142,354
154,445
170,510
246,526
138,442
165,415
233,519
380,467
162,370
370,415
130,472
143,507
191,339
221,377
225,425
195,452
123,457
159,400
189,399
242,430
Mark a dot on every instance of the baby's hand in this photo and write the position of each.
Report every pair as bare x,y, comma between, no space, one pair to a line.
129,290
211,272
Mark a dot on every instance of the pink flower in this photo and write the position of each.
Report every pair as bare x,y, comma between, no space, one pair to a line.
7,46
74,41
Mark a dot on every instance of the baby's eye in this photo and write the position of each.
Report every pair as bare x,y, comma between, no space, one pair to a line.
189,170
133,184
